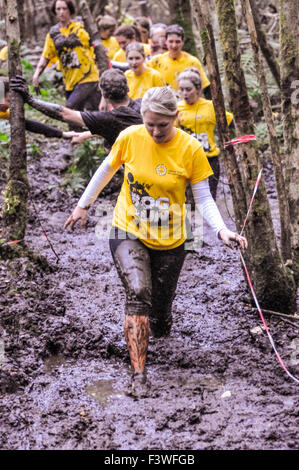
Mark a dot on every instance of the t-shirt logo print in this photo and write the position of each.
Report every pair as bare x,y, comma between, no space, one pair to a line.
161,170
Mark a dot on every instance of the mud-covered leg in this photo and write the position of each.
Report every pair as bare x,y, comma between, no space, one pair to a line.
166,267
132,262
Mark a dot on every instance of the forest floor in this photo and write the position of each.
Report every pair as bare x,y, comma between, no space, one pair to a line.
215,381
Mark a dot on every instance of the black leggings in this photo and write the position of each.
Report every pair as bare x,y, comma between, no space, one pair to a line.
149,277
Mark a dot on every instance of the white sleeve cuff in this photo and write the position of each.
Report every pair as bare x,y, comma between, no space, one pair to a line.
207,206
99,180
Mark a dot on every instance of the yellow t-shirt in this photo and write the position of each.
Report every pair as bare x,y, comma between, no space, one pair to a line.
139,84
170,68
111,45
76,61
151,203
120,56
199,120
4,53
5,114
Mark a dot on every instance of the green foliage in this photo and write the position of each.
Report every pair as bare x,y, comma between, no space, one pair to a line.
27,65
33,150
86,159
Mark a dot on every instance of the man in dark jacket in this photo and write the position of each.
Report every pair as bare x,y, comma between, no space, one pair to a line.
108,124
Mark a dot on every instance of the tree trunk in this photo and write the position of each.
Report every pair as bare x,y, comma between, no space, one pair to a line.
180,12
16,191
273,283
266,48
274,145
289,57
203,19
91,27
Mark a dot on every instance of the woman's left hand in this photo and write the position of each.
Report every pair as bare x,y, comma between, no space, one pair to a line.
228,237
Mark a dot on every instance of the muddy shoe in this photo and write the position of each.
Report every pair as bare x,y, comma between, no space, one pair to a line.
139,386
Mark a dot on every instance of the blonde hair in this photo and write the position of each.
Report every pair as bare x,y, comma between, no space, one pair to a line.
161,100
192,74
135,46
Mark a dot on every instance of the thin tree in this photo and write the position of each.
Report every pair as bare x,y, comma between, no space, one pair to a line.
16,190
273,283
91,27
289,58
266,48
274,144
180,13
229,156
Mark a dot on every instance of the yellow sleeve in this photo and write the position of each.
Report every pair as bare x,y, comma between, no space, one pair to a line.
49,51
5,115
201,168
84,37
152,63
158,80
229,117
204,78
4,53
115,158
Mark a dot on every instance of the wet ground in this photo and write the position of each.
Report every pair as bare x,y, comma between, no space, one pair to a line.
215,381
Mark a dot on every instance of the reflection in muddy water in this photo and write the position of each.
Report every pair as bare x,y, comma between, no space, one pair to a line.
102,391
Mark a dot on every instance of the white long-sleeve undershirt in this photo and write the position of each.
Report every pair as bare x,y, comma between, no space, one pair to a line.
201,194
207,206
98,182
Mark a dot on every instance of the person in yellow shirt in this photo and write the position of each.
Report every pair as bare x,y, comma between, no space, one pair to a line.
172,63
69,41
124,35
144,26
106,26
140,78
147,240
197,117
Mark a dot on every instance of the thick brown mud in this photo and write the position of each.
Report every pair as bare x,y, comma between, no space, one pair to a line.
215,381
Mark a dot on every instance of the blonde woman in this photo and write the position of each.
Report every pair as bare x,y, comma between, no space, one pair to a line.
149,232
140,78
197,117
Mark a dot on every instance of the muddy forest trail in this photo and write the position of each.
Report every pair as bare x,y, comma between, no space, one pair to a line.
215,381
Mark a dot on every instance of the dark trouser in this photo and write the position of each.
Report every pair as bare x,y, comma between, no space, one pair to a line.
213,180
149,277
84,96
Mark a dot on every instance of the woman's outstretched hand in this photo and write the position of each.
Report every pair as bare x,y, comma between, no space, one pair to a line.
229,238
77,214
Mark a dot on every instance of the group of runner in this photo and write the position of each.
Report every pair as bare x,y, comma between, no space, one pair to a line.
162,143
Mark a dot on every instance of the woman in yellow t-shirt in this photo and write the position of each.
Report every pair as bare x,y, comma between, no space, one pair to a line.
70,42
139,77
106,26
197,117
148,236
